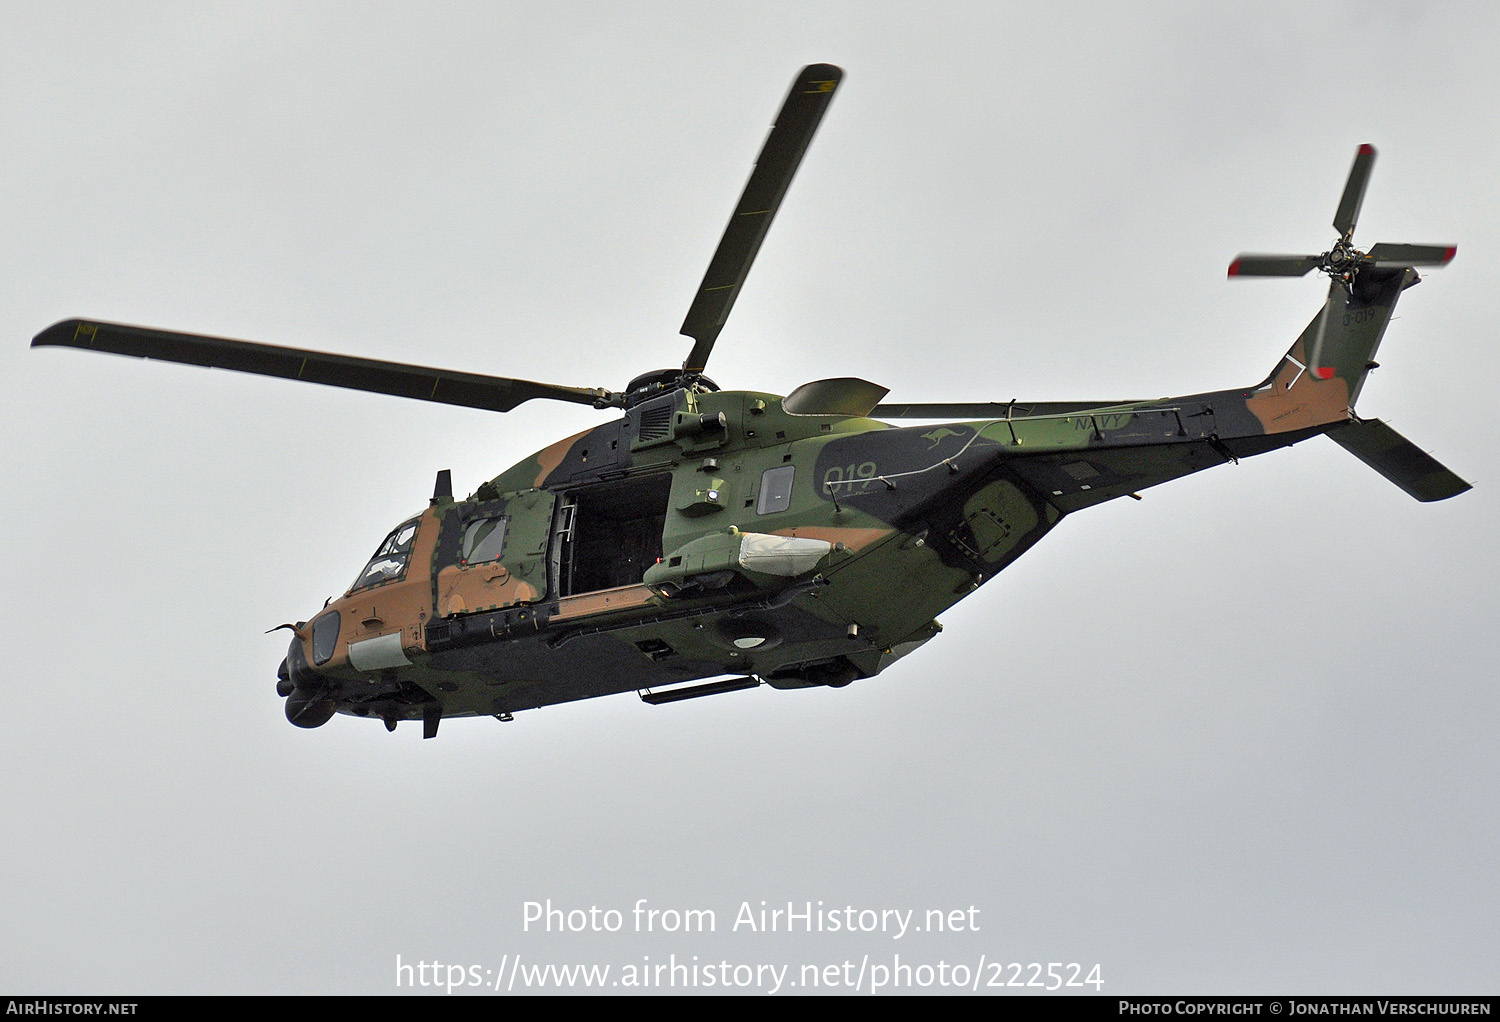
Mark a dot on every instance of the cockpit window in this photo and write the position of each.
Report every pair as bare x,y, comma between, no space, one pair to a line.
484,539
389,562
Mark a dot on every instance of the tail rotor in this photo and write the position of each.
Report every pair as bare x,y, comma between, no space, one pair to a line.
1343,262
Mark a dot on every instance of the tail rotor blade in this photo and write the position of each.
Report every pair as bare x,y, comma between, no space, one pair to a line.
1248,265
1387,255
1314,357
1354,191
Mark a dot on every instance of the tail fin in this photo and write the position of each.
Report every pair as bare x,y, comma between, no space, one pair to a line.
1341,341
1320,377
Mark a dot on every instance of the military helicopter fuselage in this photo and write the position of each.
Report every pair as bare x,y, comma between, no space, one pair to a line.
702,535
710,534
703,541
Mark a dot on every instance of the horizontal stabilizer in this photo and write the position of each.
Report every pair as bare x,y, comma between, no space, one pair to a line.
1398,459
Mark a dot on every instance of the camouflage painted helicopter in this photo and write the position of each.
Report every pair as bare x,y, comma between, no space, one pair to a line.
706,541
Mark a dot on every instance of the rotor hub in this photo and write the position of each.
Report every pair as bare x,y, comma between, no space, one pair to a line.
664,381
1343,260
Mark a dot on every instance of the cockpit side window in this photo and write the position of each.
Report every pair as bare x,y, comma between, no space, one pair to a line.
389,562
484,540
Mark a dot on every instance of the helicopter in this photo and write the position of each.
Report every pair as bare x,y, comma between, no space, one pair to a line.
706,541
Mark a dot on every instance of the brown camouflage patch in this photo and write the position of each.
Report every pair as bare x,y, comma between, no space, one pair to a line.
402,606
1297,399
553,456
603,601
490,586
854,540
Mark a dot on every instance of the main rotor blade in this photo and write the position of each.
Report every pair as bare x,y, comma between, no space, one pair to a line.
1250,265
989,410
470,390
1384,255
1354,191
778,160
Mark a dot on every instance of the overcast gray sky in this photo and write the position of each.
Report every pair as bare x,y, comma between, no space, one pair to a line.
1235,738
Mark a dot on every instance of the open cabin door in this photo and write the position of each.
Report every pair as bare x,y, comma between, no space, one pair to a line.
608,534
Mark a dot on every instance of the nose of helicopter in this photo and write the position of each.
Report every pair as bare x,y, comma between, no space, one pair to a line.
308,701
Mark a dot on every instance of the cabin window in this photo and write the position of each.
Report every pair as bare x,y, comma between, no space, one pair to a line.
484,539
389,562
775,489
